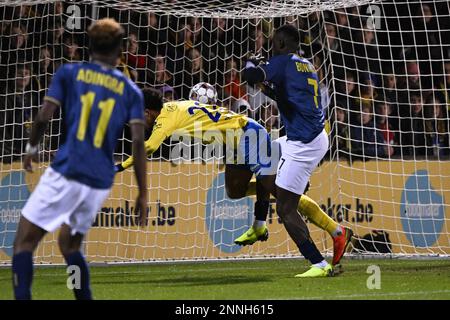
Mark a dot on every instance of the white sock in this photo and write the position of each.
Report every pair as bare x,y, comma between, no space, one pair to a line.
258,224
339,230
321,264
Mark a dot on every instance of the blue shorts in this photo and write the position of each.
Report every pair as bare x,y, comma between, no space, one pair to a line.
254,150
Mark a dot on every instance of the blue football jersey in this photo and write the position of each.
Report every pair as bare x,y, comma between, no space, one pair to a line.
296,86
96,101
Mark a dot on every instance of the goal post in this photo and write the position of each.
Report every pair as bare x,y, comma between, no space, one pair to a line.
384,69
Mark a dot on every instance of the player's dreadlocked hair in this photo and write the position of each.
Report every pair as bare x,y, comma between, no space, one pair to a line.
105,36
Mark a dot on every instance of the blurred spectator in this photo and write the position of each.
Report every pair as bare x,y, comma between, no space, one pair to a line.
219,39
343,26
46,69
168,93
323,85
390,87
412,75
155,31
333,49
256,98
17,108
172,53
413,139
195,25
436,127
72,50
346,37
193,72
332,42
296,21
368,58
160,73
391,95
196,65
15,45
154,34
346,86
261,43
55,39
340,133
233,89
444,86
427,44
383,111
129,72
367,91
312,41
366,98
367,141
215,49
134,59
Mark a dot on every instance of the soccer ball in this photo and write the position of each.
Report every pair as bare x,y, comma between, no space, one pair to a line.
204,93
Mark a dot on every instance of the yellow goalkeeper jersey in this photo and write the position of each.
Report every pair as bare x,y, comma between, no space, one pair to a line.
193,119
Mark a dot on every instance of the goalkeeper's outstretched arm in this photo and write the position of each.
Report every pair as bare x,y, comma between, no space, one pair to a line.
151,145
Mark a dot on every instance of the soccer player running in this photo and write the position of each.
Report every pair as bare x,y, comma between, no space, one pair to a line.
294,82
96,100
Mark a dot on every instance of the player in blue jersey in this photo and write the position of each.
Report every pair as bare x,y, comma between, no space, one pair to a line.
96,101
294,83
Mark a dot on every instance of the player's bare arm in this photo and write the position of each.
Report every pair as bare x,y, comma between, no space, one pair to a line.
140,171
39,126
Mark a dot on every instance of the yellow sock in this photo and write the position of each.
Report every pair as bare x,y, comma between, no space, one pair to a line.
310,209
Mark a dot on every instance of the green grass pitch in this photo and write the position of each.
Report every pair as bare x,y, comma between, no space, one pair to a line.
266,279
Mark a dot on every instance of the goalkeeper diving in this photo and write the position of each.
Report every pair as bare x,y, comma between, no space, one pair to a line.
175,117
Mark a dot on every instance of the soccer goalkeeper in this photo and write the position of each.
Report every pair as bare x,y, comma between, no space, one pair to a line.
186,116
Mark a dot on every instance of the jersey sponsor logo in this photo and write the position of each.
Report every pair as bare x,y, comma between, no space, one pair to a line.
226,219
14,194
101,79
170,107
422,210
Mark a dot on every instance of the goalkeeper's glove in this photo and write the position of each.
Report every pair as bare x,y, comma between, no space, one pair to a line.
254,60
118,168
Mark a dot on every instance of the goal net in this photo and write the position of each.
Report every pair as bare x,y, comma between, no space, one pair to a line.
384,69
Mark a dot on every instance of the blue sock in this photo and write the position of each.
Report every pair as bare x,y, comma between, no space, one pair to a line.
310,252
22,268
77,259
261,210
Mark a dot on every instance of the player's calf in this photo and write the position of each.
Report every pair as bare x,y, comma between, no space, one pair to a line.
70,248
27,238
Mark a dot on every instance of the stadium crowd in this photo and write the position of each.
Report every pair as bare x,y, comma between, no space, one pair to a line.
386,91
